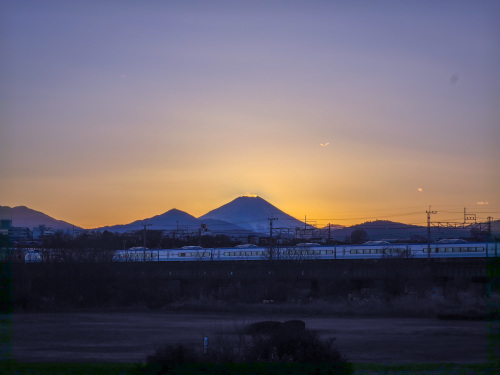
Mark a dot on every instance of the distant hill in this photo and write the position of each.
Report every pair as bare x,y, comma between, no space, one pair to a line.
252,213
176,219
169,220
22,216
389,230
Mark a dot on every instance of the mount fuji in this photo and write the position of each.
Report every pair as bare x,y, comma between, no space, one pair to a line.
252,213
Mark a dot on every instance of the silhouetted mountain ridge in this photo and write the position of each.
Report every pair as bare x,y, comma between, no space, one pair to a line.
390,230
253,213
23,216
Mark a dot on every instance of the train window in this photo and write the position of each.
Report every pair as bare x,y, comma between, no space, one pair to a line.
329,251
471,249
480,249
463,249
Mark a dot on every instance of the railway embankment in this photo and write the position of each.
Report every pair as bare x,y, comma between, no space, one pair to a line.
343,287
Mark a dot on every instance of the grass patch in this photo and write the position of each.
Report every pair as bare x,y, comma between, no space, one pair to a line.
464,306
14,367
259,368
426,368
5,337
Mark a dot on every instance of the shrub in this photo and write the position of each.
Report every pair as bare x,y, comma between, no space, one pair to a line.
264,327
285,345
281,350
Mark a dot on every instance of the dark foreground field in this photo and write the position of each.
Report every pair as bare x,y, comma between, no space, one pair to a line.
130,337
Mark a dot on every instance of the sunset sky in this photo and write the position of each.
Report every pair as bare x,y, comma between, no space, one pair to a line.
113,111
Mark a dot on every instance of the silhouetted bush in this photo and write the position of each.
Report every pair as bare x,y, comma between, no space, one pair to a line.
265,327
286,345
294,325
282,350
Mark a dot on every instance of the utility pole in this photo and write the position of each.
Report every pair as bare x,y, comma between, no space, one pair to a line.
490,219
429,231
144,250
329,233
469,217
271,219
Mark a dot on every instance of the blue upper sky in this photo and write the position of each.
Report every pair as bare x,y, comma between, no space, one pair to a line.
117,110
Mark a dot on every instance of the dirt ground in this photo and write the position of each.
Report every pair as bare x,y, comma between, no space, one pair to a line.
130,337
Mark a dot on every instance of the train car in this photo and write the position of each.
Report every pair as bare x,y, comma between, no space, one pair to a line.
32,256
312,251
136,254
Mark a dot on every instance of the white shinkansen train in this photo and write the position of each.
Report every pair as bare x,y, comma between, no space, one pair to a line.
369,250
